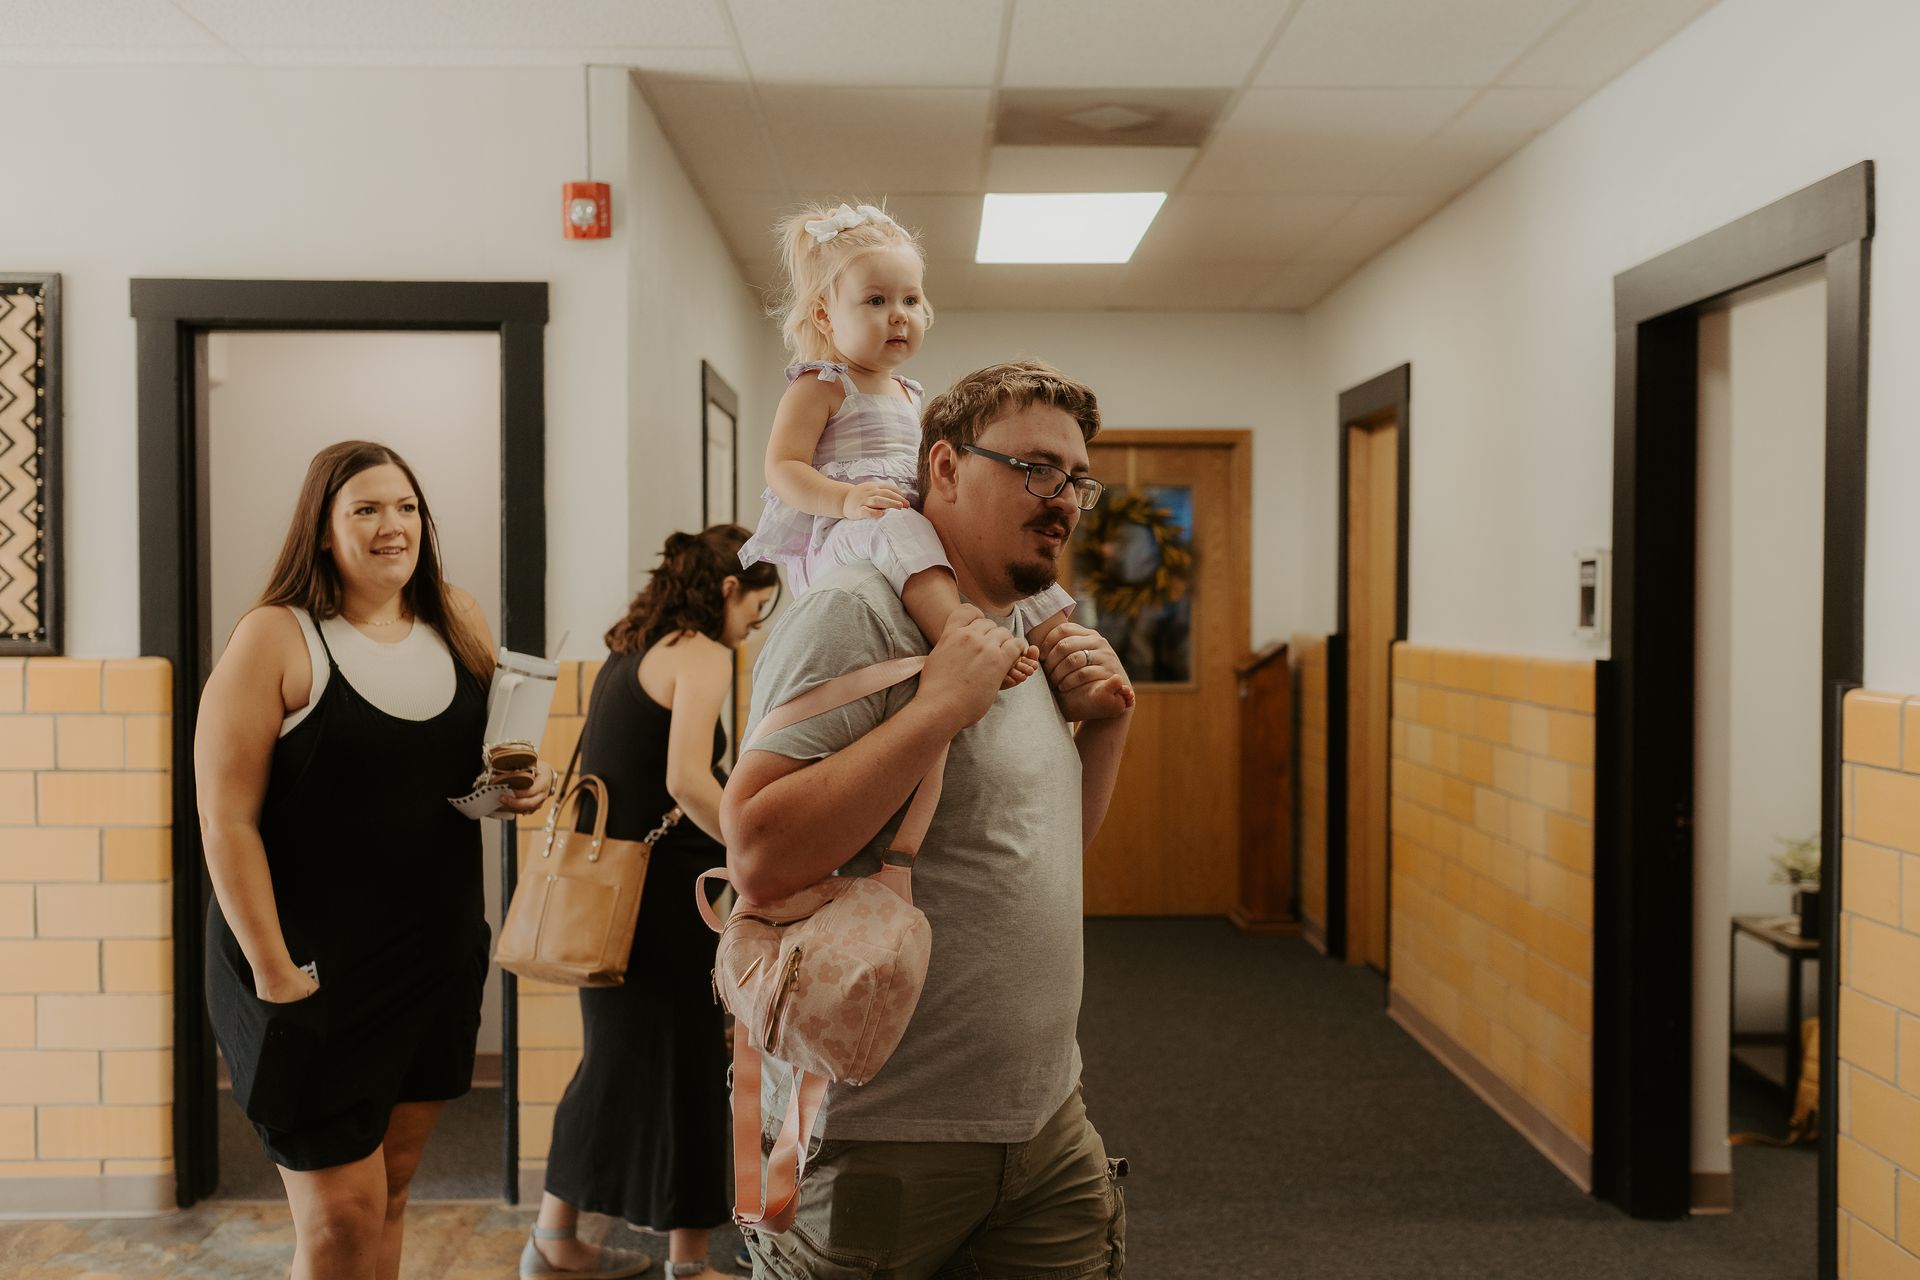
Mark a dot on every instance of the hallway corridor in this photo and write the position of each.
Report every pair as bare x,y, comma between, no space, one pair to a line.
1278,1125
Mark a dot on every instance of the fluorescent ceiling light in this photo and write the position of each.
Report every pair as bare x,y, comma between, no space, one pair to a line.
1098,226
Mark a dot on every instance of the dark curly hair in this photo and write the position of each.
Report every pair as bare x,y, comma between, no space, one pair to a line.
685,593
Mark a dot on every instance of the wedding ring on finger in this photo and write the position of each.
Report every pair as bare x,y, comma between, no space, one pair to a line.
1086,656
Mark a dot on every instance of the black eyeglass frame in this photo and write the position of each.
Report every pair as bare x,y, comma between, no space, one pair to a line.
1086,500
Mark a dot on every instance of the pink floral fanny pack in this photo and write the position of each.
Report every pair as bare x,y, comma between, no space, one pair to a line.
823,981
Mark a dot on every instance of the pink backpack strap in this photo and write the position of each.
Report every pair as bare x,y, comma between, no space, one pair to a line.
837,692
852,687
769,1203
767,1200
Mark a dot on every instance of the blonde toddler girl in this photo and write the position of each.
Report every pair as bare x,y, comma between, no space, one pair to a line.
846,436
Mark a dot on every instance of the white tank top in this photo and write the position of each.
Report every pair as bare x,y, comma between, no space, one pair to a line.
411,679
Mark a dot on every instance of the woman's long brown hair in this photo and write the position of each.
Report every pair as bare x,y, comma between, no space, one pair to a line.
305,576
686,592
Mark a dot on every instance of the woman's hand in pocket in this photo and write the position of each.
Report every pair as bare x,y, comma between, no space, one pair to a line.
284,988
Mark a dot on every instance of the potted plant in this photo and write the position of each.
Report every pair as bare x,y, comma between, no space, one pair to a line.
1798,865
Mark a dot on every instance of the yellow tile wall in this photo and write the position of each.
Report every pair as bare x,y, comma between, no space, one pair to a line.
1880,988
1310,660
1492,879
86,1021
550,1015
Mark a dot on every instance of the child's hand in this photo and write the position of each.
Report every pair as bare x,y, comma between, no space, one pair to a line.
870,500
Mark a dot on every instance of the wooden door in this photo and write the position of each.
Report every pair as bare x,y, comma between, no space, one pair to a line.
1372,551
1170,844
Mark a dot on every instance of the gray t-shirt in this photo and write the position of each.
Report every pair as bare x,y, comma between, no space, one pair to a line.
990,1054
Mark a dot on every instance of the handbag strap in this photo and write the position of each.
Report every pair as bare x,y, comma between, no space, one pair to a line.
598,790
776,1196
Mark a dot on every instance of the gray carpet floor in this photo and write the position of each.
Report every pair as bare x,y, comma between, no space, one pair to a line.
1279,1125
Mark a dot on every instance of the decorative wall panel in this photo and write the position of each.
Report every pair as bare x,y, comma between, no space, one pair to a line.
29,463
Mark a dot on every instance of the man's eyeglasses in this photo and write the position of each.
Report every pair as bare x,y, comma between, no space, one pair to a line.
1045,480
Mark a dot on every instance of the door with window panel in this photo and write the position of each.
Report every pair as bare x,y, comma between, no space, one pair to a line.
1161,569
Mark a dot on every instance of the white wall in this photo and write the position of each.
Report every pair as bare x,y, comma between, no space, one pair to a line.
367,173
1757,647
1503,304
686,304
276,399
1186,369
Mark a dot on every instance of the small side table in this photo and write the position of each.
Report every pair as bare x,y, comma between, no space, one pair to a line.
1781,933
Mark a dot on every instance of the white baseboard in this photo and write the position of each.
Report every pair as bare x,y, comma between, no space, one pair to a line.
120,1196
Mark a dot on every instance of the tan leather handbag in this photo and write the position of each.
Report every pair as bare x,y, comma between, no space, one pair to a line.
572,916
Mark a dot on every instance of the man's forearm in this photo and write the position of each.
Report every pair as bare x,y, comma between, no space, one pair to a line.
1100,743
802,827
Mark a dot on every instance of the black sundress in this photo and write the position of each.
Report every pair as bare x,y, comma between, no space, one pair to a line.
378,882
642,1130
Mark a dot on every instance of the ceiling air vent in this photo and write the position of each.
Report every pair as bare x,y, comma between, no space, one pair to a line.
1107,117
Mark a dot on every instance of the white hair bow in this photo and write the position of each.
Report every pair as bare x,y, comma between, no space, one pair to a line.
844,219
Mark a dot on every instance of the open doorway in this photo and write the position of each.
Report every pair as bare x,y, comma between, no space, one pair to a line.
1757,742
1646,802
1374,488
273,400
174,320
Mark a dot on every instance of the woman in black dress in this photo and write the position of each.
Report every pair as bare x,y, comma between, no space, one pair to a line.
641,1132
347,939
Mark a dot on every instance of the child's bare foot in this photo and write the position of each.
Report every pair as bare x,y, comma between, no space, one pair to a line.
1023,666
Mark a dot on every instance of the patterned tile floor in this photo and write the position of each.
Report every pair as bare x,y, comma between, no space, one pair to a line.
233,1240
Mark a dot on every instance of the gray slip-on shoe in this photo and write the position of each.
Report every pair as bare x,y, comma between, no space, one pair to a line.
608,1263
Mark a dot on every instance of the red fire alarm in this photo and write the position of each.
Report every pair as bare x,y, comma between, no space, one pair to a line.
587,209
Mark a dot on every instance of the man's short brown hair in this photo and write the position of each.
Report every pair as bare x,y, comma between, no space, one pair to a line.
960,413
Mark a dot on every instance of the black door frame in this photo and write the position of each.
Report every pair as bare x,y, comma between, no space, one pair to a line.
1387,397
1644,869
169,316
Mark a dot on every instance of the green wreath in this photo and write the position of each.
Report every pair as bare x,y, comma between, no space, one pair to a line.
1097,573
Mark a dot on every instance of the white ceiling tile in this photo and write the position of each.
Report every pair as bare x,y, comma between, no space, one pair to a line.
1370,225
948,226
715,130
1320,140
691,62
1406,43
502,24
1448,165
694,63
1250,229
746,219
97,24
1508,111
1197,286
950,287
1300,285
871,42
1499,123
879,141
1042,288
119,56
1064,44
1602,39
1087,168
